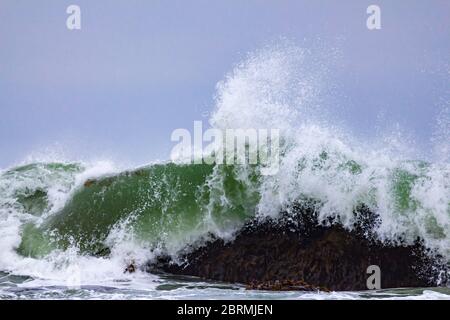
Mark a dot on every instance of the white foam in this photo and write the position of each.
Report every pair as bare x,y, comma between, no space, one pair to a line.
275,88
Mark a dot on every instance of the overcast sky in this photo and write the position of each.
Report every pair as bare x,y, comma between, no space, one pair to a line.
137,70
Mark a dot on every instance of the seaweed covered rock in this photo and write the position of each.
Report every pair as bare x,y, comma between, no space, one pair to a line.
297,249
283,285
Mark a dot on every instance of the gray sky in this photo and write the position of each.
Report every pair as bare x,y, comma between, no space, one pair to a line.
137,70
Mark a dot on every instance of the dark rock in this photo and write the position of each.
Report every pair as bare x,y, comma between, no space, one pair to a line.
131,268
296,251
283,285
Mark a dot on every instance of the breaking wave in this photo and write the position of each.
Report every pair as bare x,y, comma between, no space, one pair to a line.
54,215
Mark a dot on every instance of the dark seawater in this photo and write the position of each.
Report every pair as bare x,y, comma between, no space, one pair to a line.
143,286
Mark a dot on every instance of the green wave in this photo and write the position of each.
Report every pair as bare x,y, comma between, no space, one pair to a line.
170,205
161,205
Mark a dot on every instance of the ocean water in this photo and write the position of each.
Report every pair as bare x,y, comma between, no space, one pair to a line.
69,228
144,286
